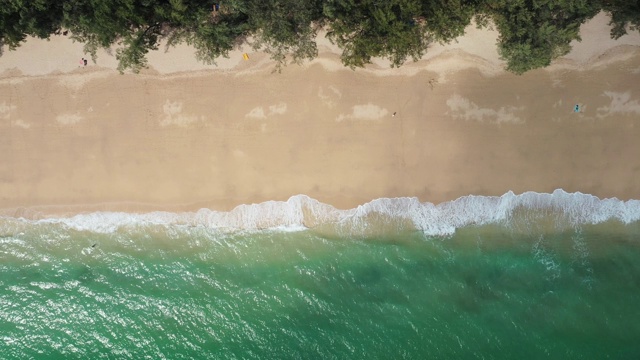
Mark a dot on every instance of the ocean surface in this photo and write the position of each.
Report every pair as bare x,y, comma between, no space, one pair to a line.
530,276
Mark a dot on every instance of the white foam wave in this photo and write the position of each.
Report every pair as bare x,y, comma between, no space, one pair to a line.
301,212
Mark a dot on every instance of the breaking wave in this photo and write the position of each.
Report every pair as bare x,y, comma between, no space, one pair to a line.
301,212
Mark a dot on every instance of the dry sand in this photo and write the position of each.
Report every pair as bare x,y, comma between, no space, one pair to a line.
184,135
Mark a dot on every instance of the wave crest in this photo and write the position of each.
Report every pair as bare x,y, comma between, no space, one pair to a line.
302,212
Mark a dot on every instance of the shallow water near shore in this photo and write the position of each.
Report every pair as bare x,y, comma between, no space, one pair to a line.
534,283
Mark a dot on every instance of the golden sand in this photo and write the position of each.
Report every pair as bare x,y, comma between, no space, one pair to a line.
88,138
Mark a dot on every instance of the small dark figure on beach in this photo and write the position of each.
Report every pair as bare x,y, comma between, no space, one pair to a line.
85,61
394,114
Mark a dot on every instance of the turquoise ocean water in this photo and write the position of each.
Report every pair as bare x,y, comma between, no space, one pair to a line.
528,276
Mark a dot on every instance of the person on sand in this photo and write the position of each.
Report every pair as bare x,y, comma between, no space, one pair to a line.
85,61
394,114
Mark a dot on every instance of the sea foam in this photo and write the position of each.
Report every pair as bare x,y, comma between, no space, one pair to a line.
302,212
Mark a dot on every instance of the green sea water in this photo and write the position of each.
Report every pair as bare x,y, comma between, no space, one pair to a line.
516,289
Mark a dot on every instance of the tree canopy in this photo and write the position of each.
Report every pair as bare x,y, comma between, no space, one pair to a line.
625,14
532,32
535,32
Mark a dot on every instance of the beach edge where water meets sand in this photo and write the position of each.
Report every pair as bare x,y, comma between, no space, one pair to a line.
183,135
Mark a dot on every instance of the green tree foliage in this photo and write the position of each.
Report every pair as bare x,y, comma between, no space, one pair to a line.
211,33
624,14
446,20
534,32
376,28
22,18
214,35
284,28
132,54
134,26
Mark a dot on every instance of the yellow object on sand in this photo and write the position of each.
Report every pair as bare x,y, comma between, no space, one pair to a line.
245,56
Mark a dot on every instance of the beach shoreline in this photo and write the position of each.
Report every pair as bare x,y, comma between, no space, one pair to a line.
180,137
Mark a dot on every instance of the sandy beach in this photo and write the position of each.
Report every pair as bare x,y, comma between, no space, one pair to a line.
183,135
